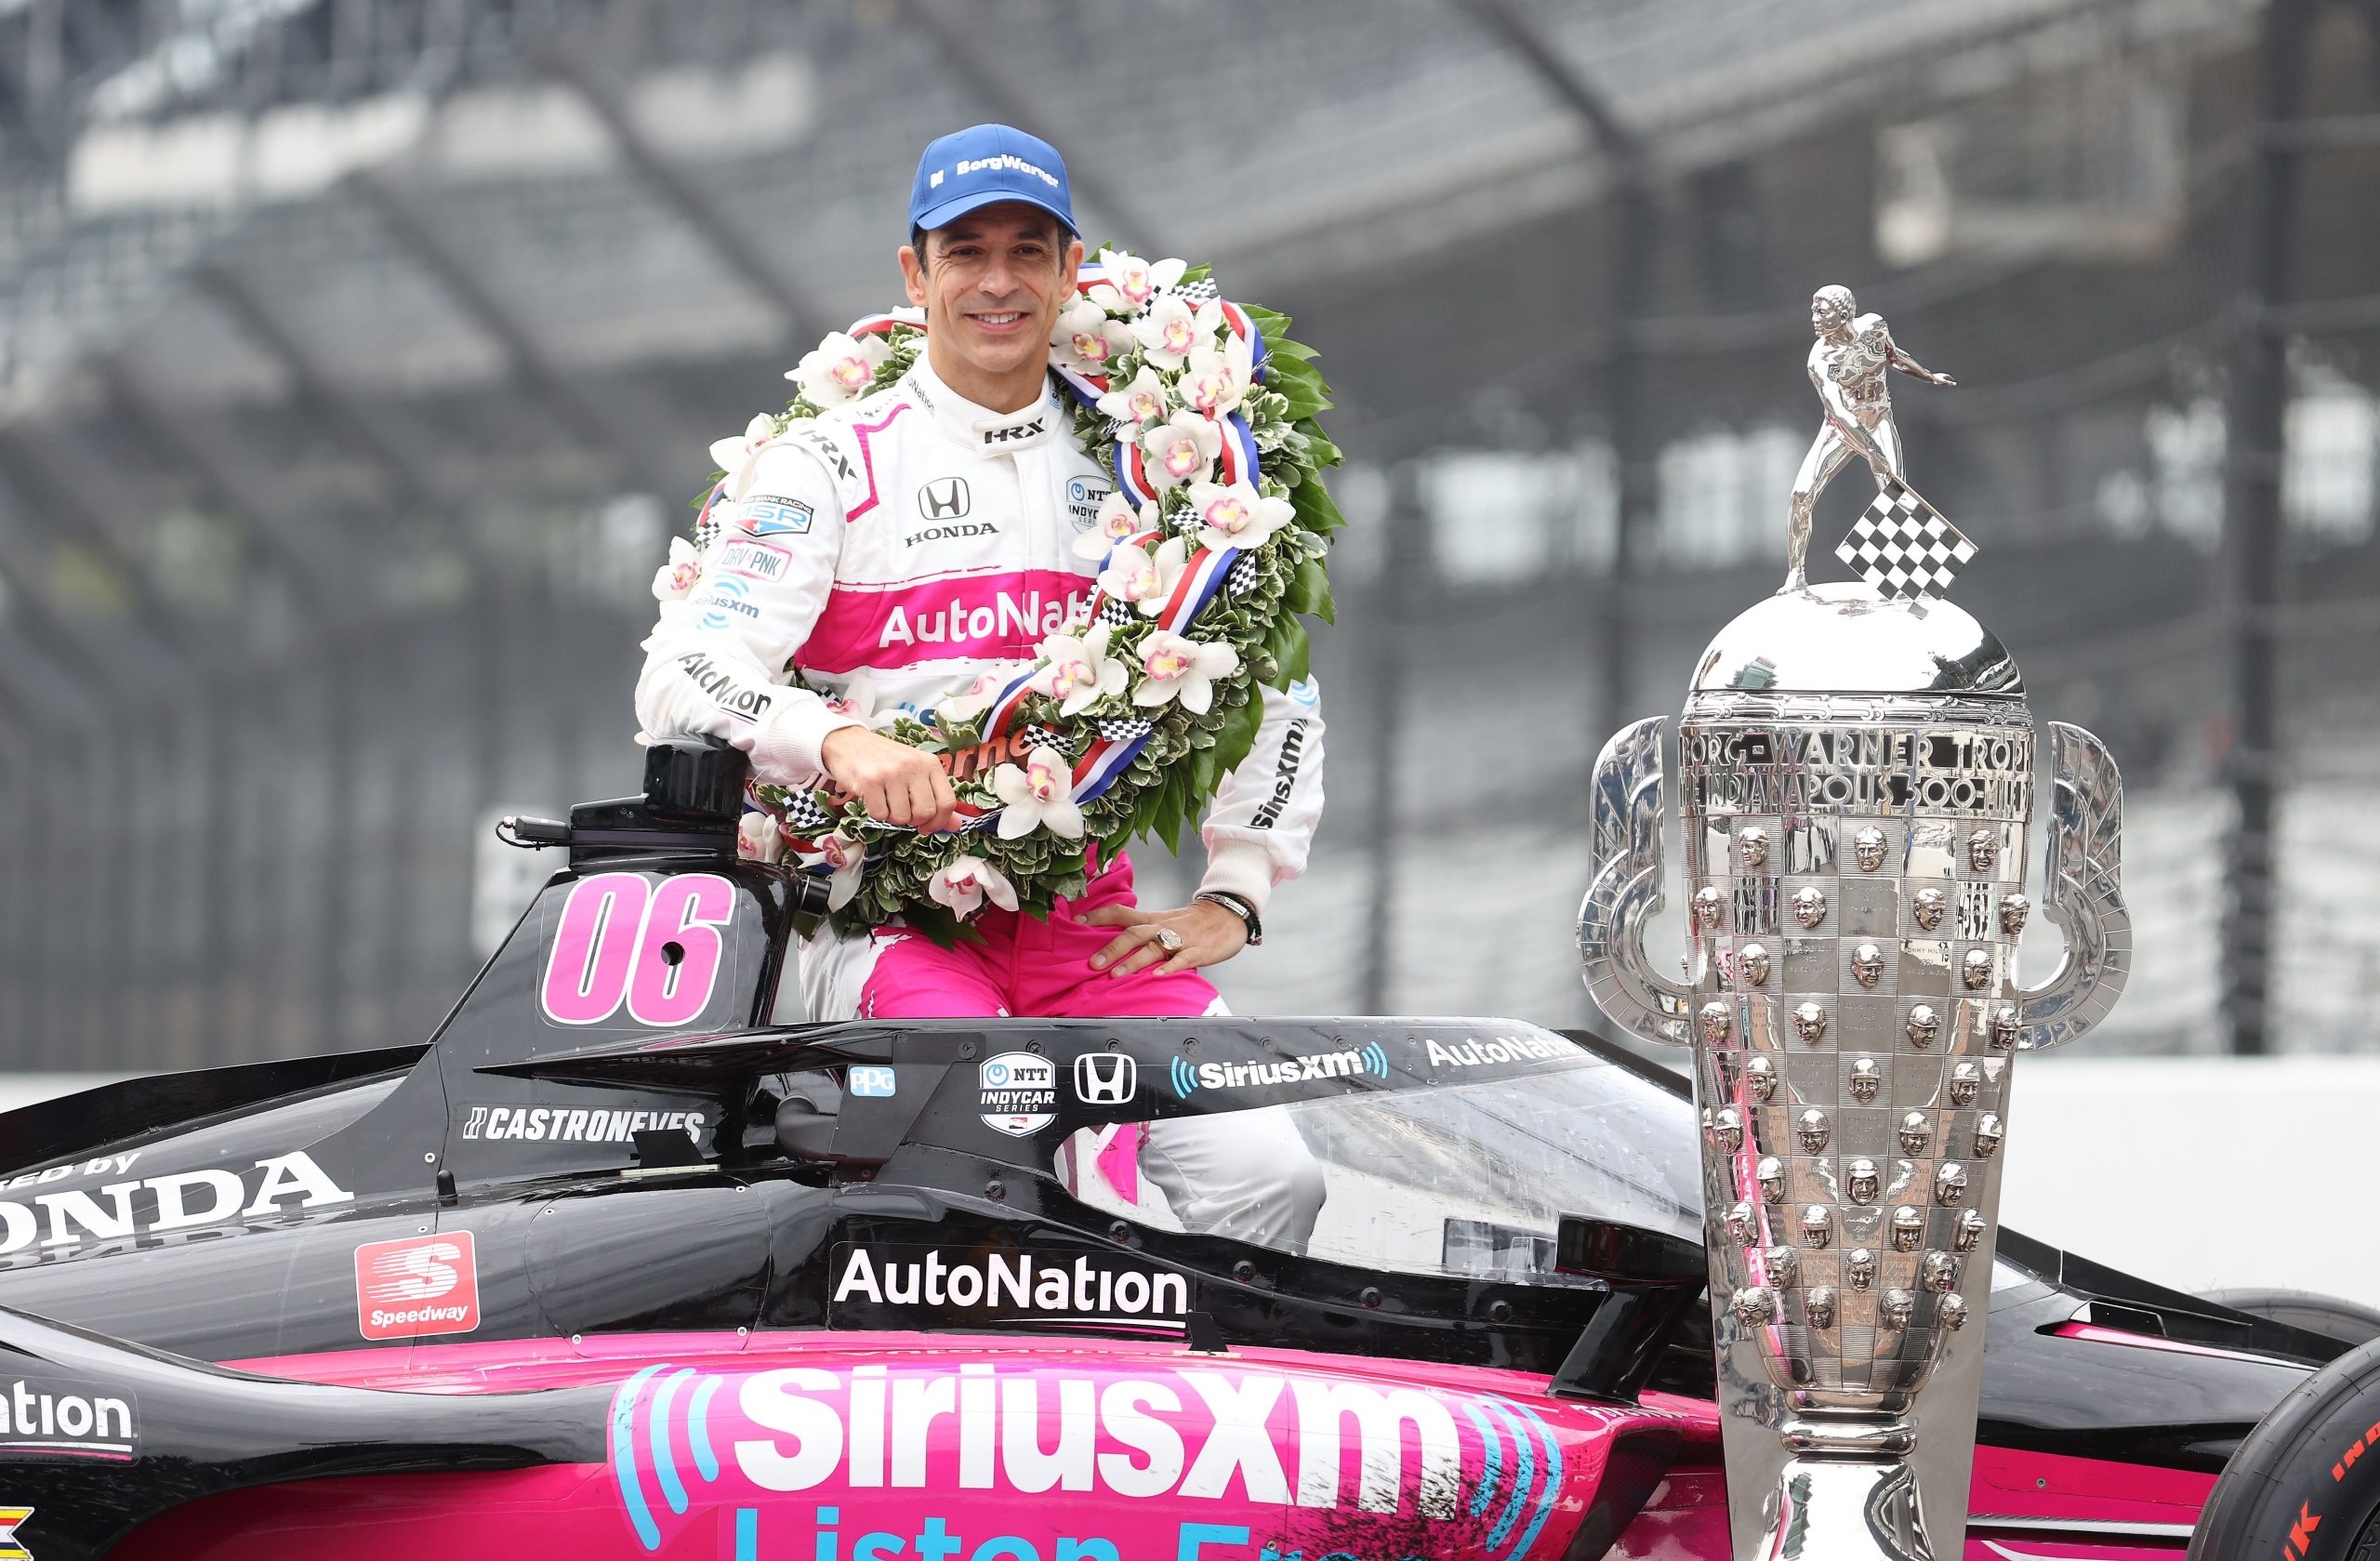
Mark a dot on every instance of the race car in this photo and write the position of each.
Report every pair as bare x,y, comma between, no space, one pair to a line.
612,1266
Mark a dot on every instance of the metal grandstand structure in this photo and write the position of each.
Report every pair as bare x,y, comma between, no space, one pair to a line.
358,356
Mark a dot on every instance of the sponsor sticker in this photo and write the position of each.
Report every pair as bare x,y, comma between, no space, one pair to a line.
1084,496
1189,1077
1019,1092
422,1285
725,596
870,1083
944,499
1304,691
105,1165
1497,1049
555,1124
71,1219
887,1285
771,515
11,1547
758,560
656,946
66,1419
1106,1079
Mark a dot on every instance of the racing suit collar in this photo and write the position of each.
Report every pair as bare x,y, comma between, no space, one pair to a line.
979,428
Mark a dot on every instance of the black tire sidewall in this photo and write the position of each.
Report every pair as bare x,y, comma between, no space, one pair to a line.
2307,1481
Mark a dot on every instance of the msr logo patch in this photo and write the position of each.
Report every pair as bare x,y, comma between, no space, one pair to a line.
416,1287
772,515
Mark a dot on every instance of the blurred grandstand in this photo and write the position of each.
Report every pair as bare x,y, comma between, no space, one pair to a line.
358,356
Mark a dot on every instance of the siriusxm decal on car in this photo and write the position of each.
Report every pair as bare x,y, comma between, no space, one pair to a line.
771,515
1019,1092
70,1221
1189,1077
656,946
1073,1459
1500,1049
67,1420
1106,1079
554,1124
873,1285
421,1284
870,1083
756,558
1084,496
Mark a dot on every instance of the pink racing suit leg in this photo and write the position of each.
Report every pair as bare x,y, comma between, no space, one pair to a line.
1053,977
915,979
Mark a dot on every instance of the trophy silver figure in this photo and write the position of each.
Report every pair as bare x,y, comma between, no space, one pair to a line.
1858,783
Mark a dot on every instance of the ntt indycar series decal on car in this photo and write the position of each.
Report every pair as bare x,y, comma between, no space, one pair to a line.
584,1277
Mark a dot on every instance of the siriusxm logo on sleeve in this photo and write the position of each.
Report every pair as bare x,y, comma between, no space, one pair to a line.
723,596
1188,1077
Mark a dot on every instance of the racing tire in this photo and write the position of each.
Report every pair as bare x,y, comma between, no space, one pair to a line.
2350,1322
2305,1486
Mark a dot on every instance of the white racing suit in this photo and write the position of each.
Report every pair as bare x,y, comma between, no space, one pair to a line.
917,542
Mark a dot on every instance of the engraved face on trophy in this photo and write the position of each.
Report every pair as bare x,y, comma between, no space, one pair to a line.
1727,1129
1908,1229
1859,1182
1809,1022
1809,906
1859,1268
1818,1225
1743,1223
1975,970
1868,965
1708,905
1987,1135
1817,1307
1813,1129
1915,1132
1969,1230
1950,1312
1760,1079
2008,1027
1966,1083
1866,1079
1718,1021
1895,1307
1867,848
1983,849
1950,1182
1755,1305
1927,908
1924,1026
1784,1267
1751,963
2013,908
1941,1272
1753,846
1770,1174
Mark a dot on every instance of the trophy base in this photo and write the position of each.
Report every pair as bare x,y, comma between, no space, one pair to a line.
1846,1507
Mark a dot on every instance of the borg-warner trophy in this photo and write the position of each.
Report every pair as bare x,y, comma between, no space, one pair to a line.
1858,783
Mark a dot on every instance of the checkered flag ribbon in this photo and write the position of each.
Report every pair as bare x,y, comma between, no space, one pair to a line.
1115,614
1903,547
1124,729
1202,291
1244,571
804,816
1043,737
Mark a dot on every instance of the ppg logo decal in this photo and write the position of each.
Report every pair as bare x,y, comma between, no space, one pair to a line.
1187,1077
944,499
1106,1079
871,1083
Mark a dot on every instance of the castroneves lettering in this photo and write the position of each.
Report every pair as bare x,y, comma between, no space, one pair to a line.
37,1418
1285,777
735,697
1031,614
539,1124
180,1200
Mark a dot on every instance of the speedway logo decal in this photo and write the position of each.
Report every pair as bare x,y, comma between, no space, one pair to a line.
128,1211
543,1124
1019,1092
808,1460
42,1419
654,947
419,1285
898,1285
1188,1077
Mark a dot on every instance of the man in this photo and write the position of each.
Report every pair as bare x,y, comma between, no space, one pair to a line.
1847,366
922,538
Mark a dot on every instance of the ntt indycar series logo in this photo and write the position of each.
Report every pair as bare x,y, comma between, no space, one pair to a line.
1073,1460
1188,1077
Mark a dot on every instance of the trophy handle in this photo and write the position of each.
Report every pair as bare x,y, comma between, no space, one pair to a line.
1626,842
2086,892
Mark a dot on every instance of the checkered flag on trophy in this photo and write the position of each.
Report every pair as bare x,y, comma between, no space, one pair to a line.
1903,547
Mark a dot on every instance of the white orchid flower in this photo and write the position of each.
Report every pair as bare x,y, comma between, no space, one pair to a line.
842,853
1117,520
1182,668
1143,578
1181,449
1131,281
967,882
1079,672
1084,341
756,839
968,702
676,578
1137,403
1236,516
729,454
1040,792
840,369
1216,377
858,700
1171,330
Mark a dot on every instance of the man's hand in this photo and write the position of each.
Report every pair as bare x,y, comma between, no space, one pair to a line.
1942,379
1210,936
895,782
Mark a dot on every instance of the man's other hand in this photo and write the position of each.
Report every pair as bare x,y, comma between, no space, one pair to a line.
895,782
1210,936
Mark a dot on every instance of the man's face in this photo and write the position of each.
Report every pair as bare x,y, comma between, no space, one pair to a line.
992,285
1828,314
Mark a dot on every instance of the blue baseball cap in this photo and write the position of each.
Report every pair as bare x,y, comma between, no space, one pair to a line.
982,166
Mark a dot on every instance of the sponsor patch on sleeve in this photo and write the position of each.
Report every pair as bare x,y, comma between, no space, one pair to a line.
756,559
771,515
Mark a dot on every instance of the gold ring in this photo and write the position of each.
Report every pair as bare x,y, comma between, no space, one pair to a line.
1169,940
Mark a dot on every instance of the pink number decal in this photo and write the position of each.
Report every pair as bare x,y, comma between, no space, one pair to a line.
588,972
687,911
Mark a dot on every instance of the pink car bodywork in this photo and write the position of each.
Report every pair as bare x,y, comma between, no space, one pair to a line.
904,1446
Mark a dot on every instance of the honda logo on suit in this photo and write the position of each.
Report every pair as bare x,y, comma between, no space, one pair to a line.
943,499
